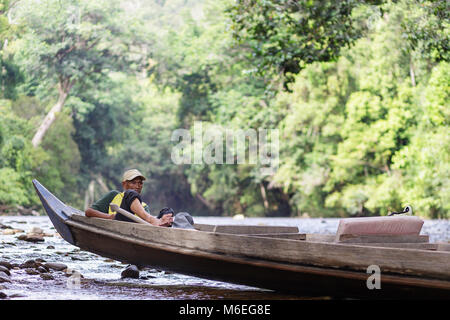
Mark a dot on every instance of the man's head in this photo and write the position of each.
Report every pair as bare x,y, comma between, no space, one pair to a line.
133,179
165,210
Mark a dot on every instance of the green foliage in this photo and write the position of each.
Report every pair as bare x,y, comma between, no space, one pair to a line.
350,123
56,166
285,36
76,41
59,171
10,75
359,91
426,160
16,158
427,28
100,116
4,24
12,190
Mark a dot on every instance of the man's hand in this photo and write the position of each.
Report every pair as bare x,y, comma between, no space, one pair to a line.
166,220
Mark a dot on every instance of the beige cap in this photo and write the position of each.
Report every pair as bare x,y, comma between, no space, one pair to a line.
131,174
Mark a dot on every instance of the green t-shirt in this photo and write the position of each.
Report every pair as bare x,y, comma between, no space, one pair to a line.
102,204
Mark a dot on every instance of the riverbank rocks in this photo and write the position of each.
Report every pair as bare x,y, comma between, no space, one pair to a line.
4,226
46,276
130,272
5,270
31,237
4,277
6,264
31,264
42,269
35,235
55,266
35,267
10,231
31,271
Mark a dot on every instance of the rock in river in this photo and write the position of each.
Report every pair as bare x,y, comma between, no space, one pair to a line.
130,272
31,237
31,271
9,232
30,264
56,266
5,270
6,264
42,269
4,277
35,235
46,276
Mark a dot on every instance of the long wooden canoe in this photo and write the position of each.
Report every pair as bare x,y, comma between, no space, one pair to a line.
276,258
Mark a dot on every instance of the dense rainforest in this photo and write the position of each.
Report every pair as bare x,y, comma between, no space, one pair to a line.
358,92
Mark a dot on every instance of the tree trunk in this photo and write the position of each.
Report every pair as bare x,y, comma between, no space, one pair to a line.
412,73
89,194
63,88
101,183
209,205
264,196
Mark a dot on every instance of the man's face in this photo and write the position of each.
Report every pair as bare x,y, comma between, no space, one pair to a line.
135,184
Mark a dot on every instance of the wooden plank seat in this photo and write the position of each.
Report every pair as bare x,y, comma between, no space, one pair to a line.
292,236
401,225
245,229
393,232
383,238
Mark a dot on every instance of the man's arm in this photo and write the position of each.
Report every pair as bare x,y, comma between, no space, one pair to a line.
98,214
137,208
100,208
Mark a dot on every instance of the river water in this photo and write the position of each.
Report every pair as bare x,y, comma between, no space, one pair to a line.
101,277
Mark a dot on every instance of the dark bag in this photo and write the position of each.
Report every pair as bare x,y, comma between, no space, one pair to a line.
181,220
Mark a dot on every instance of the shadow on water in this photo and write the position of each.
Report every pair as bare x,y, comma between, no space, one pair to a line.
188,292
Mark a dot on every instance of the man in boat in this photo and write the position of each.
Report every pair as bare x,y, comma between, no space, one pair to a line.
130,200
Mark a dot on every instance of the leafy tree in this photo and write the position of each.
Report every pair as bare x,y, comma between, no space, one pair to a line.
16,158
284,36
427,28
72,45
362,116
101,116
310,133
146,144
425,161
351,123
10,75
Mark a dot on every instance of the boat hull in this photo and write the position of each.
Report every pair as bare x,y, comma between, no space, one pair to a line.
294,279
253,261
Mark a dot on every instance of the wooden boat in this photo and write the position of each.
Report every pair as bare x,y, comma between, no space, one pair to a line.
275,258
